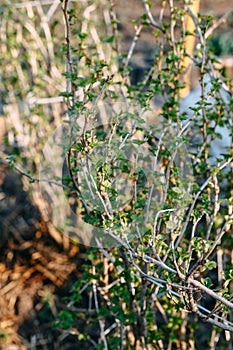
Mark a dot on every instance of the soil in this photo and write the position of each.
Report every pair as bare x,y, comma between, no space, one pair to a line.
35,272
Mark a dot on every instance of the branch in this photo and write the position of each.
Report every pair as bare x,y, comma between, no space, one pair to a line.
100,321
220,167
37,179
220,21
158,282
151,18
214,322
195,283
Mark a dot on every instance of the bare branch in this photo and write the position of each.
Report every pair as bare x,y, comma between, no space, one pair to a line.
220,21
151,18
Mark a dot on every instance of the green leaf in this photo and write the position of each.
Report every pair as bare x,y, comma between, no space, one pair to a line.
210,265
110,39
206,282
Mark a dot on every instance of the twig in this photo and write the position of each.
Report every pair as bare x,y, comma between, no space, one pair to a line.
227,326
215,323
109,329
193,282
194,226
155,163
69,63
151,18
100,321
155,225
132,47
51,10
114,27
218,238
223,165
220,21
33,3
37,179
216,206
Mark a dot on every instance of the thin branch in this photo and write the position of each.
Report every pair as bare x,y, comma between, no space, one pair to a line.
220,21
153,22
155,163
215,323
51,10
132,47
216,206
196,221
113,17
37,179
222,166
226,325
155,225
100,321
218,238
34,3
193,282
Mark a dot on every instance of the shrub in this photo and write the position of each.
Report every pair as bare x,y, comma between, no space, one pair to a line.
142,182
